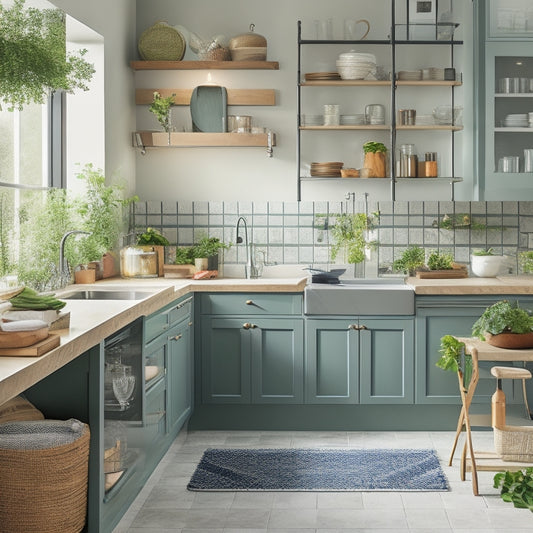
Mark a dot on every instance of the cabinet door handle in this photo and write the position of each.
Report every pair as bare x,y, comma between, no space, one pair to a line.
254,326
353,326
363,327
190,324
176,337
249,302
247,325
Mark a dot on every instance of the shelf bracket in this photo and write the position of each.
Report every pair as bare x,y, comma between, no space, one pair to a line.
270,149
138,142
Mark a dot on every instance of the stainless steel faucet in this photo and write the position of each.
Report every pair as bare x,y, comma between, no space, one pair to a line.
250,272
63,267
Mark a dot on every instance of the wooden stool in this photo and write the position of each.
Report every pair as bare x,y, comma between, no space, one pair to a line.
498,398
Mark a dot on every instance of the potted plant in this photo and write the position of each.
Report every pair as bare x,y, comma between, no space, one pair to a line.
350,237
505,325
375,159
516,487
153,239
183,263
33,56
440,261
206,252
411,259
485,264
525,262
161,108
101,211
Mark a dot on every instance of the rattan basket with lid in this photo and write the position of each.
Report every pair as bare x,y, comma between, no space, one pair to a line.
248,46
161,42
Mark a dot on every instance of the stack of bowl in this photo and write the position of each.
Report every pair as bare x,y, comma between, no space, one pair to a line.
355,65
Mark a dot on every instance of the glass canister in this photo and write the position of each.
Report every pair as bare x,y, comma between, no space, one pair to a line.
408,161
138,262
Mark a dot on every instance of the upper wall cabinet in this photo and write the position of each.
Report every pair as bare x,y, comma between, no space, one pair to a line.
505,116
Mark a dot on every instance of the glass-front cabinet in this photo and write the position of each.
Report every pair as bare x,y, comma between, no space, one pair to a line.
505,99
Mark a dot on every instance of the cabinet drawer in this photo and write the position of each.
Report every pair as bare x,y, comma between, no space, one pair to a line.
251,304
163,319
155,365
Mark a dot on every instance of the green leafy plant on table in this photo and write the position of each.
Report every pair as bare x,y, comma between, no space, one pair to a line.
153,237
349,235
161,108
208,247
412,258
516,487
33,56
440,261
502,317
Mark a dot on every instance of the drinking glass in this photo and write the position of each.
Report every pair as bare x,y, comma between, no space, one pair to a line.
123,389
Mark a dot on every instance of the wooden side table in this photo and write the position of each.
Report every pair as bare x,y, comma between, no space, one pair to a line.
481,461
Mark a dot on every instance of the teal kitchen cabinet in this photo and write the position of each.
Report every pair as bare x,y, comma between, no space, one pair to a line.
504,63
364,360
251,358
437,316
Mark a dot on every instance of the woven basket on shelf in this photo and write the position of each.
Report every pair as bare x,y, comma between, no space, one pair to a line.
161,42
43,476
514,443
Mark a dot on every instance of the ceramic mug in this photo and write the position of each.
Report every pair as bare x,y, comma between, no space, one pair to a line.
350,29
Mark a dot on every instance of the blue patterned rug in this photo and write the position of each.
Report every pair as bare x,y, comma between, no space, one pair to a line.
318,470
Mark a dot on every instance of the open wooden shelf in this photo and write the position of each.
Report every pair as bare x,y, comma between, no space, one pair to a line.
263,97
381,83
204,65
199,139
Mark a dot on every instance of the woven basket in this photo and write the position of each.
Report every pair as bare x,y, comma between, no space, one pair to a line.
514,443
44,490
161,42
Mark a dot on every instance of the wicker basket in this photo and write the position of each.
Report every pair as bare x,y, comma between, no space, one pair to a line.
514,443
44,489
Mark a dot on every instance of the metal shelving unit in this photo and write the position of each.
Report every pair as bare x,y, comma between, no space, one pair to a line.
394,84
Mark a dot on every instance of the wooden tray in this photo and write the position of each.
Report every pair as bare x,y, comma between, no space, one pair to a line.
454,273
35,350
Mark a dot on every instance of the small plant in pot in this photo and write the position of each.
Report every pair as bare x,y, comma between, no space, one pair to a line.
375,159
161,107
485,263
153,239
206,252
412,259
505,325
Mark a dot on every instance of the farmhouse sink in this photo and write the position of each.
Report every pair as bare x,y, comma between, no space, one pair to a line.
99,294
380,296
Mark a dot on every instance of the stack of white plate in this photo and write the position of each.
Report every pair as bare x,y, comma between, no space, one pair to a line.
410,75
312,120
424,120
355,65
352,120
516,120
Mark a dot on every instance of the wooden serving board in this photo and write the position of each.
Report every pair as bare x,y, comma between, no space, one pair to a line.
454,273
35,350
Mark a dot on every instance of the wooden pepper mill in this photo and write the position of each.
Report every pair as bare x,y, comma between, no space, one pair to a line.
498,406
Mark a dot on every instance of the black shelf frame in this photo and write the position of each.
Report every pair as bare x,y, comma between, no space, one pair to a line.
393,43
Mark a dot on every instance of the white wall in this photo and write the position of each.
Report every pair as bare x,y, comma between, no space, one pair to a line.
115,21
246,173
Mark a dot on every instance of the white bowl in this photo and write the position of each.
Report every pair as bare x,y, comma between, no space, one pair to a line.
357,55
486,266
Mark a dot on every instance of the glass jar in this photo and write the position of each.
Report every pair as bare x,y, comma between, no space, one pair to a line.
408,161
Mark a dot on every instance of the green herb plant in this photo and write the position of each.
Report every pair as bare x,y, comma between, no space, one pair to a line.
411,259
184,255
525,261
502,317
152,237
374,147
440,261
161,107
349,235
516,487
208,247
483,253
33,56
460,221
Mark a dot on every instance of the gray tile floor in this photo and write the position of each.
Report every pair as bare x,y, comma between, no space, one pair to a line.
165,505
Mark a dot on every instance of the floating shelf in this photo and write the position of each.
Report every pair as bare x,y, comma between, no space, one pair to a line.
204,65
149,139
438,127
259,97
435,127
386,180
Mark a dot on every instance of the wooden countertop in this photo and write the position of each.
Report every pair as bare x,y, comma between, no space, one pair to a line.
479,286
92,321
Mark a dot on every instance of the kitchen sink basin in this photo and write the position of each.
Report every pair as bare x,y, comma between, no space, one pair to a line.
382,296
96,294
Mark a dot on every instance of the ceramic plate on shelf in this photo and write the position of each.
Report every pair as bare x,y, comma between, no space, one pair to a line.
209,108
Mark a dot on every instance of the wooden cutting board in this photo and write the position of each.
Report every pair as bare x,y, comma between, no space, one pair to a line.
453,273
35,350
